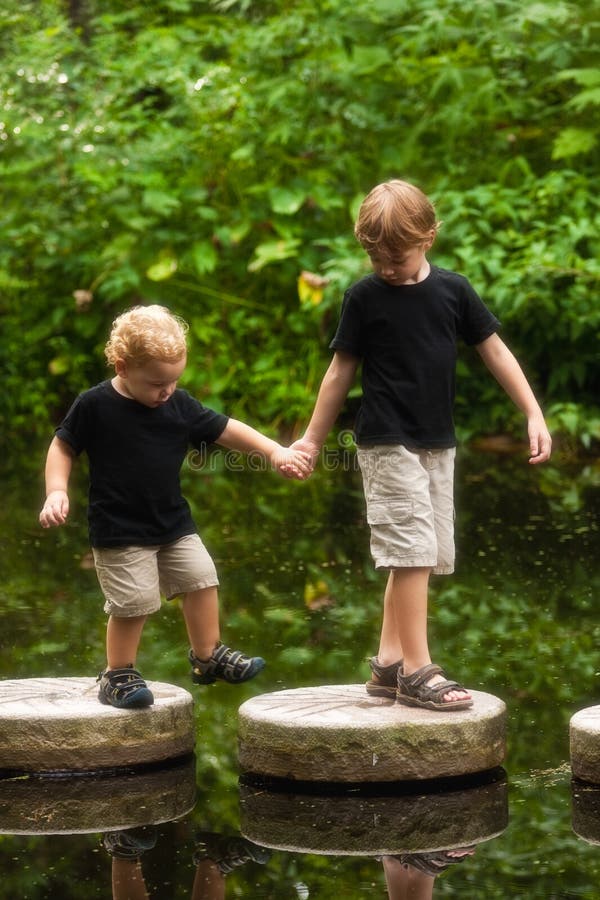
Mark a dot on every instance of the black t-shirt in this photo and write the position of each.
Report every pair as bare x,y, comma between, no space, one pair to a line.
135,454
407,338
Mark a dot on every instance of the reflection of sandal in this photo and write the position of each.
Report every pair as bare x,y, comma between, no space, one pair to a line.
228,851
387,679
413,690
130,843
436,862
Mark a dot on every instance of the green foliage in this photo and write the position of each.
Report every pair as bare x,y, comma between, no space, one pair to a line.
205,154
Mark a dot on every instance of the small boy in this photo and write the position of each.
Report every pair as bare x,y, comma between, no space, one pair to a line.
136,430
403,322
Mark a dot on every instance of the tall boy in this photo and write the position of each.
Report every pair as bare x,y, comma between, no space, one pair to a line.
136,430
403,322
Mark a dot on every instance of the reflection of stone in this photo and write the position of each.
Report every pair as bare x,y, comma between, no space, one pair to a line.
373,825
585,801
340,733
585,744
58,724
88,803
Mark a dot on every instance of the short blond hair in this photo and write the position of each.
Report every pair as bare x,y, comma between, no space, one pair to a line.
393,216
144,333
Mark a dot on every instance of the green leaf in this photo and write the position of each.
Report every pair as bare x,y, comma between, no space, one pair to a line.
572,142
163,269
160,202
369,59
60,365
271,252
589,97
204,256
286,201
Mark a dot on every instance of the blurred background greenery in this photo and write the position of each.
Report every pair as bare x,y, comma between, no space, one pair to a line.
206,153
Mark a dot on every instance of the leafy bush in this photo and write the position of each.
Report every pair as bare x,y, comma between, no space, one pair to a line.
205,154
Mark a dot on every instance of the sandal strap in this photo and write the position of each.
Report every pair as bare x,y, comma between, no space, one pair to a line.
123,681
384,672
432,863
420,676
231,665
437,691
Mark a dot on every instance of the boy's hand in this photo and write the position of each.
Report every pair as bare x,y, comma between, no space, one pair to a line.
309,450
292,463
55,509
309,447
540,442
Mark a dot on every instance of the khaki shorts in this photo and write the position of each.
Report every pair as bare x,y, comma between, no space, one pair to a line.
133,578
410,506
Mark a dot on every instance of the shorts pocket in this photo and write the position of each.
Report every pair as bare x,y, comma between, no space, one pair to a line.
389,512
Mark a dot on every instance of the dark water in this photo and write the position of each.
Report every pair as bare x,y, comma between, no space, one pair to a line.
519,619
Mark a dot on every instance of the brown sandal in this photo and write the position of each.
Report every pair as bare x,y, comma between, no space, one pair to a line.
387,679
413,690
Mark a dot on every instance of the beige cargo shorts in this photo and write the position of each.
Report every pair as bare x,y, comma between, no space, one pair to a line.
410,506
133,578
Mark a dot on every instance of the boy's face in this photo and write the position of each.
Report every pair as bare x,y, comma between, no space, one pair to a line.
151,383
403,266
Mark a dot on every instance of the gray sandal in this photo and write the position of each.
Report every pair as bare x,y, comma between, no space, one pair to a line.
387,679
414,691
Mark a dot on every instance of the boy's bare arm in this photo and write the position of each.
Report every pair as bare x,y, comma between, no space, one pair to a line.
239,436
335,385
59,463
506,370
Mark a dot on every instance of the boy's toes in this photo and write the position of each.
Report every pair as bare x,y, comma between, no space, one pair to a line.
456,695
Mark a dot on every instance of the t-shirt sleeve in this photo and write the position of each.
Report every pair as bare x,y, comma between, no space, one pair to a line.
348,336
205,425
476,321
74,428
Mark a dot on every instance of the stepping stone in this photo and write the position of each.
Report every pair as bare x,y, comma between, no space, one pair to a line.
366,825
45,804
584,733
339,733
49,724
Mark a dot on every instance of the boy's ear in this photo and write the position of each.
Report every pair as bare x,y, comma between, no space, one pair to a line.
121,368
430,239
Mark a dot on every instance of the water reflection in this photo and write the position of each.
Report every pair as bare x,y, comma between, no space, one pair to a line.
521,616
216,856
412,876
81,804
585,811
126,808
415,835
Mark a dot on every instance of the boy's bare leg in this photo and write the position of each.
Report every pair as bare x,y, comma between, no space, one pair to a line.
201,614
405,882
404,627
209,883
406,606
128,880
390,648
122,640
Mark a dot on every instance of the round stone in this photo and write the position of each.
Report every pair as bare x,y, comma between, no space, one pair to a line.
339,733
584,733
351,824
50,724
44,804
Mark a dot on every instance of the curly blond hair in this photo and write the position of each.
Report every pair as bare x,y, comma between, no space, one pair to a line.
395,215
144,333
